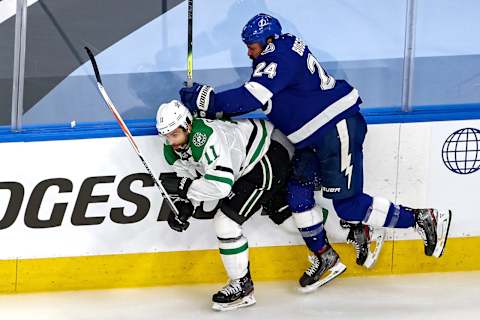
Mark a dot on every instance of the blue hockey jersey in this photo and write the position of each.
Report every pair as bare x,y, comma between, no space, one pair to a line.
298,96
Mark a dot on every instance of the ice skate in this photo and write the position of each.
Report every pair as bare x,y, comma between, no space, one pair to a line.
362,237
433,227
325,267
238,293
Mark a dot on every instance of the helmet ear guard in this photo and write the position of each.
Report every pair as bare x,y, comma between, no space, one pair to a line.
259,28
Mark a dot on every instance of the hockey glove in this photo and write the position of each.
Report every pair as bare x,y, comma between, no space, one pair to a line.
174,184
199,99
185,211
277,207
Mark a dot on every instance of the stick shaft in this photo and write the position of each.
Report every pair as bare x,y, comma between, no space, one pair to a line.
190,45
127,132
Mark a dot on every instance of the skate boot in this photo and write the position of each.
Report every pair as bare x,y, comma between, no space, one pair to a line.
361,236
433,227
325,267
236,294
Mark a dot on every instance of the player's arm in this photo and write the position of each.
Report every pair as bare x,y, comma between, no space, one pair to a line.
238,100
201,100
184,207
271,75
218,179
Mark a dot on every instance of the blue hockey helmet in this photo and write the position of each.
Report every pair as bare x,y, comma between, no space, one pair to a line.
260,28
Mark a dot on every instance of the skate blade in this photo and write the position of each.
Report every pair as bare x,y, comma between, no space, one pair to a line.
443,227
334,272
241,303
372,257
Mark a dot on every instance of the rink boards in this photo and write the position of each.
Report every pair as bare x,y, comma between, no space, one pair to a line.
78,214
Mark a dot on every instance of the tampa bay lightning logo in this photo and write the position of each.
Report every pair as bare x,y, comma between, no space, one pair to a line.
461,151
262,23
270,48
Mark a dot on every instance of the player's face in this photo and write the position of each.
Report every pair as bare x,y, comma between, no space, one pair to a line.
254,50
178,138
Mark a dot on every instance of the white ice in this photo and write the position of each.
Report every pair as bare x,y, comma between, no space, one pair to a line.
427,296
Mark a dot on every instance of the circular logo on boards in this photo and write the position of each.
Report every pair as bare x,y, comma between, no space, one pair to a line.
461,151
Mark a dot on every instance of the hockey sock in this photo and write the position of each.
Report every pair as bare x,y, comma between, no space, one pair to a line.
234,253
399,217
383,213
310,225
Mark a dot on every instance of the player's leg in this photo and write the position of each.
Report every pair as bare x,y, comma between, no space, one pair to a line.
340,157
343,179
326,264
431,224
278,211
233,246
276,206
248,194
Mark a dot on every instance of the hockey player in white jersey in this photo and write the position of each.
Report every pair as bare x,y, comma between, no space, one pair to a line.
237,165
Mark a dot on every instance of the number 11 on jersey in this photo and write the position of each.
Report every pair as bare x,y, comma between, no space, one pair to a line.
210,154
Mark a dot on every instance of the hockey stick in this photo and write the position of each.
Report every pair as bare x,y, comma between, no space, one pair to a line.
189,45
129,136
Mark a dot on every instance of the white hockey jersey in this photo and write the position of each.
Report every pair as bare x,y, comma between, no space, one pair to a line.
220,153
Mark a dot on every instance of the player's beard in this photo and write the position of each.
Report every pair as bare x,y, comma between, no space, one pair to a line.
183,151
180,148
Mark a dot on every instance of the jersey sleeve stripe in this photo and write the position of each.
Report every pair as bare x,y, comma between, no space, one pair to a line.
219,179
267,108
224,169
324,117
260,92
221,174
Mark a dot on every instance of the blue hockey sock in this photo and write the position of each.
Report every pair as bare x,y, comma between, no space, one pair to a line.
399,217
314,236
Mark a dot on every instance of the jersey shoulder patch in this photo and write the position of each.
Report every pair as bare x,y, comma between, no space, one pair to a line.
199,136
170,155
279,51
270,48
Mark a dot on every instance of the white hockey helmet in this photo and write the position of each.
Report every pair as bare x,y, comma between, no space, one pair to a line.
172,115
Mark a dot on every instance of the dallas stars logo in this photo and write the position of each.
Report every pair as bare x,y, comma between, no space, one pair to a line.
199,139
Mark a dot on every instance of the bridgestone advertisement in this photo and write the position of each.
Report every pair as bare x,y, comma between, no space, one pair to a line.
93,196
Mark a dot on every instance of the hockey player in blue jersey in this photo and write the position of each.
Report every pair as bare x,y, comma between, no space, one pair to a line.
320,116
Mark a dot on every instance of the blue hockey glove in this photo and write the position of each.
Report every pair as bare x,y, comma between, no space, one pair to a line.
199,99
